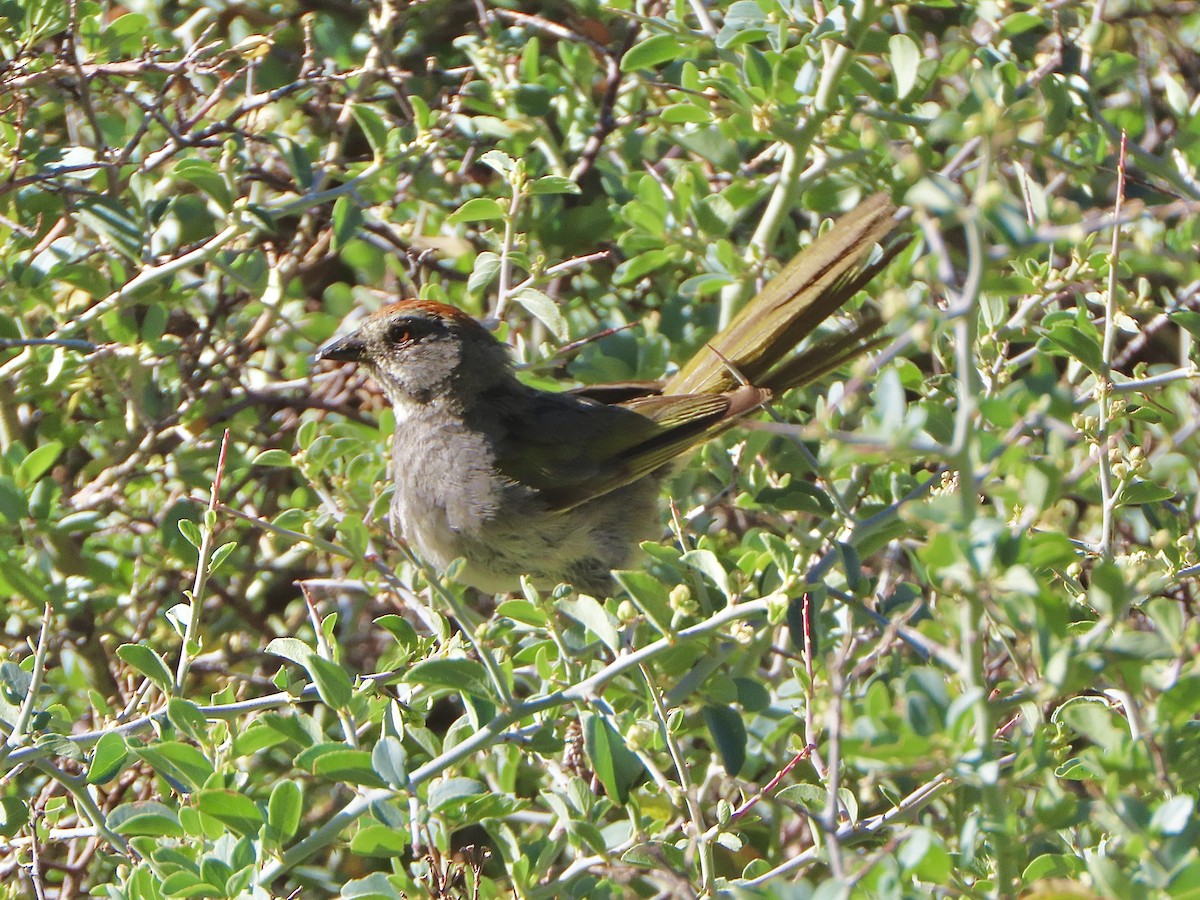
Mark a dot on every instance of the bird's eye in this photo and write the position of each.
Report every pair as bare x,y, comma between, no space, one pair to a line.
400,334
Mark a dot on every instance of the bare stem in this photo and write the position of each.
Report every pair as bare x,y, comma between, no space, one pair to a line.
504,288
1104,383
191,641
701,837
17,736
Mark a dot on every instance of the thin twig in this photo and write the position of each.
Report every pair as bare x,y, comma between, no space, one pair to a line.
699,838
769,787
1104,439
191,643
20,726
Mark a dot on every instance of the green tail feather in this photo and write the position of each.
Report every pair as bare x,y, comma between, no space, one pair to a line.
813,286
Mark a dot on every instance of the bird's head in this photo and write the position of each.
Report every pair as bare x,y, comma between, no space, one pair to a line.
420,351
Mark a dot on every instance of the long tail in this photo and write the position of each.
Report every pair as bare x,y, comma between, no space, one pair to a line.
758,343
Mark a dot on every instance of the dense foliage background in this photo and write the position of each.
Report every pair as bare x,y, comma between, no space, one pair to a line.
932,634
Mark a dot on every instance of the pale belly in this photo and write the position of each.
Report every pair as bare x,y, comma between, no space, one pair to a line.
579,546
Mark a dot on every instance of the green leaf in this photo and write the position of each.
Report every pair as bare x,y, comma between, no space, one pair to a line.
544,308
1109,876
1078,345
206,177
1108,591
380,840
55,744
456,674
390,761
1174,815
332,683
15,682
744,22
522,611
1135,493
181,764
447,791
373,887
1188,319
14,815
758,70
347,220
617,767
653,854
1077,769
108,758
147,662
284,809
220,555
352,766
480,209
187,719
215,871
534,100
1052,865
705,283
588,612
729,734
650,596
500,162
13,504
904,56
554,184
653,51
300,730
191,532
399,628
145,817
254,738
924,854
36,462
685,114
487,265
1021,22
1092,718
274,457
297,160
234,809
643,264
113,223
752,695
307,758
796,496
373,127
707,563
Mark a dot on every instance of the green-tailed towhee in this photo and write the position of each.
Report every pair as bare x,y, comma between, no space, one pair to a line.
562,486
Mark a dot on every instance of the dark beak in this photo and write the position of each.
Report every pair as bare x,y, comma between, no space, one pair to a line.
344,349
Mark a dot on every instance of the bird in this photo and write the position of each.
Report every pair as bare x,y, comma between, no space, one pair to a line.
561,486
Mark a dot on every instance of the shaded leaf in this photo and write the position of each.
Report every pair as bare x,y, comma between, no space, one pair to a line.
729,734
147,662
617,767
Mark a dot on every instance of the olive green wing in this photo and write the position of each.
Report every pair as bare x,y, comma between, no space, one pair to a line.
593,448
618,391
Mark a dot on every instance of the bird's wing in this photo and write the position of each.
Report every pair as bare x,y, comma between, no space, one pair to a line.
618,391
584,449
